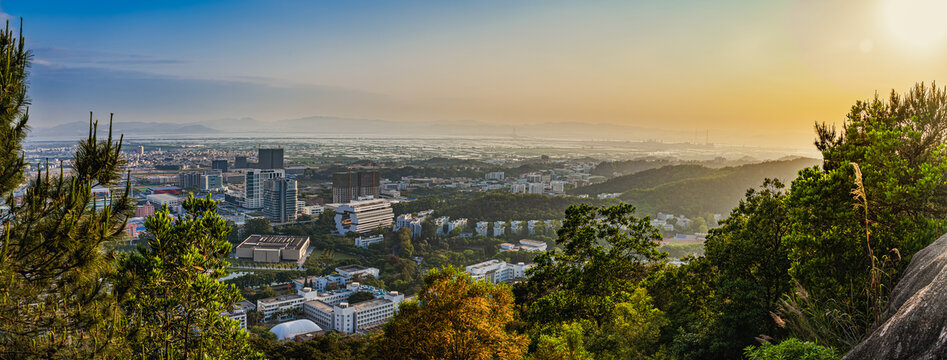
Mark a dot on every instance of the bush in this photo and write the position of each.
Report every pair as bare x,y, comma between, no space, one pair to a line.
791,349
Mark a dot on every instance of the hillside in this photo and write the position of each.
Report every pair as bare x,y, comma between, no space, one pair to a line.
716,192
646,179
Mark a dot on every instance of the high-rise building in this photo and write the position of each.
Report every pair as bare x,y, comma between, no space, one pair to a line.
211,181
219,165
240,162
348,186
253,186
270,158
189,180
279,199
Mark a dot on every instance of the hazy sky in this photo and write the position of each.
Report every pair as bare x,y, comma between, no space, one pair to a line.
735,67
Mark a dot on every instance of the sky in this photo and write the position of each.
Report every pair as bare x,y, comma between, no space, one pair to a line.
739,69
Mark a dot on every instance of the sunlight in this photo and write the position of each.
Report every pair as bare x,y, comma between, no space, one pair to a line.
918,23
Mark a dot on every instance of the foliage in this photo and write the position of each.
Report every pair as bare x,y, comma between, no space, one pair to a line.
752,269
360,296
169,289
625,167
604,253
717,192
791,349
52,258
646,179
566,343
455,317
259,226
852,257
330,346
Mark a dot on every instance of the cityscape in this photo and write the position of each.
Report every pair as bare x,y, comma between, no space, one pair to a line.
532,180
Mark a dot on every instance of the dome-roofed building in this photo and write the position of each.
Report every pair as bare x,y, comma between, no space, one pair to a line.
290,329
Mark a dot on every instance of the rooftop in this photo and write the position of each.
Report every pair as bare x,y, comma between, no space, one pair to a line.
273,242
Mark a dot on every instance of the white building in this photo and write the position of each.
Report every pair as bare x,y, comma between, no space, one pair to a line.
456,223
532,245
536,188
518,188
332,311
499,228
158,200
496,175
314,210
516,226
558,186
362,216
351,271
531,226
496,271
280,307
253,186
364,242
240,315
290,329
482,228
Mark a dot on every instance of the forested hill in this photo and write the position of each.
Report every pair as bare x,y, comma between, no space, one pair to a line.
714,190
646,179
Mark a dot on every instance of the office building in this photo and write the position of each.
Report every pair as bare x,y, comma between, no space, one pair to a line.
364,242
496,271
219,165
279,199
240,162
273,248
253,186
159,200
353,271
332,311
362,216
270,158
211,181
190,180
145,210
348,186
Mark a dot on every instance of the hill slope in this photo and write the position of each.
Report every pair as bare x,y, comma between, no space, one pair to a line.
716,192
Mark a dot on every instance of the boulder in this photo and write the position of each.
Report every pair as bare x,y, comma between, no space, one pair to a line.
916,325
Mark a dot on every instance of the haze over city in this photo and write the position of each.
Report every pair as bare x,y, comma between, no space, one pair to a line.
735,72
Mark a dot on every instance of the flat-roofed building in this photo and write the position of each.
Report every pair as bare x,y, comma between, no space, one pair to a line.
279,307
532,245
352,271
332,311
362,216
496,271
273,248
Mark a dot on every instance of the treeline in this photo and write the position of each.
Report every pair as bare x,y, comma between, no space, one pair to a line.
626,167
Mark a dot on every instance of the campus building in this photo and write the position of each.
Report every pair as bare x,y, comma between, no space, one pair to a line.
362,216
273,248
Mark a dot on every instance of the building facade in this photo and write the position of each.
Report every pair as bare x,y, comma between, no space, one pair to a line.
253,186
279,200
348,186
362,216
270,158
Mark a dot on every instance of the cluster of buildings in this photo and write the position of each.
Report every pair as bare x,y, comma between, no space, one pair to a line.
499,228
324,301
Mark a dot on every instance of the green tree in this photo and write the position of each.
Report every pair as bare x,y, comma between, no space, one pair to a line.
752,269
169,289
405,248
791,349
455,317
604,253
53,302
850,258
52,258
259,226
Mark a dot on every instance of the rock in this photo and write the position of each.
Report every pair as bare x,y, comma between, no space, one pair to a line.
916,325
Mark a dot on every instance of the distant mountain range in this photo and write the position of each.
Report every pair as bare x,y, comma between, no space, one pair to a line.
328,125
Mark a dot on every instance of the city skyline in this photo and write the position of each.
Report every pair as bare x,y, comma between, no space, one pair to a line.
742,70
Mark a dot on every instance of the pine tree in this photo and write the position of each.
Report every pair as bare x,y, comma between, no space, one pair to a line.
53,302
169,290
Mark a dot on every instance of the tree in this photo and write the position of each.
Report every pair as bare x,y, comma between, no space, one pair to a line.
259,226
52,260
53,303
752,269
791,349
405,248
169,289
896,151
604,253
455,317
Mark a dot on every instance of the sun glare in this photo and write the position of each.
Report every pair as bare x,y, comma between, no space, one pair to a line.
919,23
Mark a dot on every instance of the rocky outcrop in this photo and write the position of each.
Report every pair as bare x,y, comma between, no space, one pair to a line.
916,325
